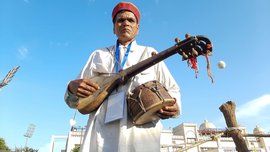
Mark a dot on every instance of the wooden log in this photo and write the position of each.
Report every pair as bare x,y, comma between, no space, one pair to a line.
228,110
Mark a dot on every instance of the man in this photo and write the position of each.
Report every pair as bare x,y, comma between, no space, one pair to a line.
112,130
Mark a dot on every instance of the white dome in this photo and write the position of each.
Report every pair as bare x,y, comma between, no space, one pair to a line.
258,130
207,125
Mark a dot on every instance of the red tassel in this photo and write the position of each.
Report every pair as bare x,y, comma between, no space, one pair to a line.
193,63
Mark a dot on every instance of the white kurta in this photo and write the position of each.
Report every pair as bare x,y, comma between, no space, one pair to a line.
121,135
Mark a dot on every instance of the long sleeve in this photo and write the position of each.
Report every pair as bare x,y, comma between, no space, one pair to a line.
71,99
101,61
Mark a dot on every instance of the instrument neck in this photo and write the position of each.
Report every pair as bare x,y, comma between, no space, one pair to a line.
147,63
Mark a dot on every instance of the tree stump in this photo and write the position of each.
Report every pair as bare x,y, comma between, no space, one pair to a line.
228,110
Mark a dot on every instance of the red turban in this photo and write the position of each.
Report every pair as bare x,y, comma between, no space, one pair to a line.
126,6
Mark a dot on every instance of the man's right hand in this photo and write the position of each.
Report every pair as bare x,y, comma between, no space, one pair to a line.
82,87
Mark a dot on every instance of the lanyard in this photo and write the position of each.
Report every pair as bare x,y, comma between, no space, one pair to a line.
117,63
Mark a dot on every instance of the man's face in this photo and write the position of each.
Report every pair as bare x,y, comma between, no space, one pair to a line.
126,27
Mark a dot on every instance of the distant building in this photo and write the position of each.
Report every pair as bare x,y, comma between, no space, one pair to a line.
188,136
54,140
75,138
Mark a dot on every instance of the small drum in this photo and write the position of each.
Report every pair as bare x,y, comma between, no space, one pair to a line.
146,100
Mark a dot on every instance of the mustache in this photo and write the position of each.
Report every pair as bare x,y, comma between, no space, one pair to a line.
126,30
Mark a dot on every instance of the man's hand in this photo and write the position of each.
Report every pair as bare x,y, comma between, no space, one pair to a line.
168,111
82,87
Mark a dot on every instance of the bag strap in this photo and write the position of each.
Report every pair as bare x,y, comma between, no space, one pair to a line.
141,59
143,54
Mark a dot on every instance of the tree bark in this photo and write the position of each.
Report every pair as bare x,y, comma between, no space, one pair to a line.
228,110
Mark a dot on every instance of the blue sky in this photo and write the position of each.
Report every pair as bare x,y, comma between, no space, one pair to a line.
51,41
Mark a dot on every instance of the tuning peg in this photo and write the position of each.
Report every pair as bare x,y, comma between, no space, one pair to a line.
177,40
153,53
187,35
184,55
194,52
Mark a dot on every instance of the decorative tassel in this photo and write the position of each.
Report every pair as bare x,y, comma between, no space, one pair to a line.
193,63
208,66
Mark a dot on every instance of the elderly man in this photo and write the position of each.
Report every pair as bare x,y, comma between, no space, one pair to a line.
110,128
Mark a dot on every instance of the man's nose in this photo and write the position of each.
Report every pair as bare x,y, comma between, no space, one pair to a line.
126,22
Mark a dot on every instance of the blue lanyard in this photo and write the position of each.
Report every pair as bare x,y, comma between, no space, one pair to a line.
118,58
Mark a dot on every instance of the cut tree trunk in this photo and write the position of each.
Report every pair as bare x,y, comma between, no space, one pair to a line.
228,110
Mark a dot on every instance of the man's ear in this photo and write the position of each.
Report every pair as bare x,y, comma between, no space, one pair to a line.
138,27
113,29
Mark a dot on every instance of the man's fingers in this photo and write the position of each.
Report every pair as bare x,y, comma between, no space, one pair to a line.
170,108
83,87
83,93
88,88
168,111
92,84
163,116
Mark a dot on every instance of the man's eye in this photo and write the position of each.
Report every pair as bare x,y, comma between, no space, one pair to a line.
120,20
131,20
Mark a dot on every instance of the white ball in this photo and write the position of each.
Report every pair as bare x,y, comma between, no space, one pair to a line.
221,64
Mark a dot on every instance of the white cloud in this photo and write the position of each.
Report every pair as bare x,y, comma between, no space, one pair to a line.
254,108
255,112
23,52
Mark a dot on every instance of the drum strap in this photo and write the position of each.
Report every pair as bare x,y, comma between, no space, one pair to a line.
141,102
154,88
141,59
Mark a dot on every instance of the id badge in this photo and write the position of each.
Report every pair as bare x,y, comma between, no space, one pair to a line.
115,107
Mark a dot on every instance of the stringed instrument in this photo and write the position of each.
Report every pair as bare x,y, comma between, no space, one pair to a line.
190,48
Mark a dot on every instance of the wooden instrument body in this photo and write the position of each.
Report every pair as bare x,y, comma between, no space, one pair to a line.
107,84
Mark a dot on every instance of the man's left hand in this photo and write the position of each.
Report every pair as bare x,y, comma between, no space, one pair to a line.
168,111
